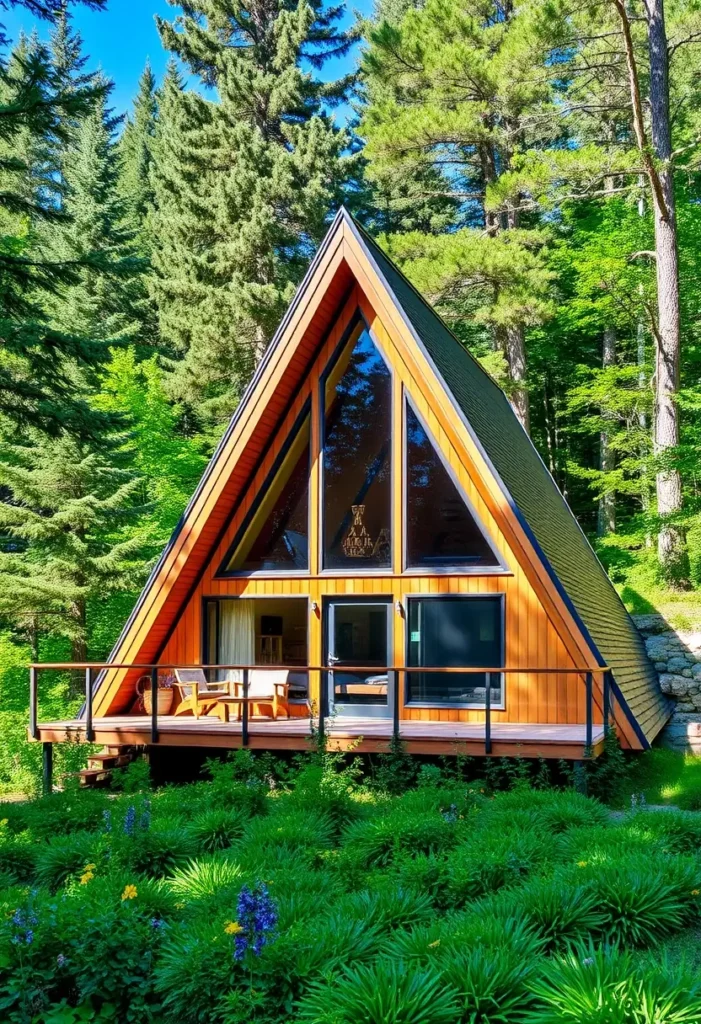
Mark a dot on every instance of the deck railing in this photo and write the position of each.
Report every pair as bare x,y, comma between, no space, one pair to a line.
394,673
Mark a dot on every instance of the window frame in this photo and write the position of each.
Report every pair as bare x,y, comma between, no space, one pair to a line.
495,706
223,572
358,321
499,569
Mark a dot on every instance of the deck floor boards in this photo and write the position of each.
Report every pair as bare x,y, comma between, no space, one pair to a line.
339,728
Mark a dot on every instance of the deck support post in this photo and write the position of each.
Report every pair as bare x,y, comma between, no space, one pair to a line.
47,762
89,731
393,694
244,710
589,729
488,713
607,701
33,704
154,705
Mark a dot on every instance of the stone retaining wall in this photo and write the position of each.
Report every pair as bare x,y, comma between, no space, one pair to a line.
676,654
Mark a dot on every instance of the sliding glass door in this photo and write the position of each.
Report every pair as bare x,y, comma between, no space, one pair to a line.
358,651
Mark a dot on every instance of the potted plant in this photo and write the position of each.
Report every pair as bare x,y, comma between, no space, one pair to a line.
165,692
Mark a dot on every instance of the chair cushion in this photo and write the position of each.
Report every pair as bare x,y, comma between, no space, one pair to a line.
262,681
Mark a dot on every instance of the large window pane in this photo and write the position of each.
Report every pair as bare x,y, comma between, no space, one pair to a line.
454,632
277,536
357,459
441,530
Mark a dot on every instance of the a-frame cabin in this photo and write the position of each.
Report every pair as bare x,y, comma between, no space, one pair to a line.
374,532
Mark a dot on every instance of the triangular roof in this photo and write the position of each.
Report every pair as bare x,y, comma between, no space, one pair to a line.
566,558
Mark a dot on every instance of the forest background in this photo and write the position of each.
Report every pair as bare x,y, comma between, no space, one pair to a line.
532,167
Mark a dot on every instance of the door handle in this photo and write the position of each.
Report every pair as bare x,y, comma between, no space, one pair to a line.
333,659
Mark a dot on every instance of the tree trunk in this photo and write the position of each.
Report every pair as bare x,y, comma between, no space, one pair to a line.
671,543
515,352
607,502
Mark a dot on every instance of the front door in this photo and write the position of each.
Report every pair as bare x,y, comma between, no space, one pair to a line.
358,646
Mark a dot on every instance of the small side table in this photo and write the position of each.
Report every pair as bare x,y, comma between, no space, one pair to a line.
226,701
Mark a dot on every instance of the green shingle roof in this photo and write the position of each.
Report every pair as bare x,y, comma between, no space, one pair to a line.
536,499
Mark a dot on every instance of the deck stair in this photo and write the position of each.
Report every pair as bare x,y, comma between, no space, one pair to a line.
101,766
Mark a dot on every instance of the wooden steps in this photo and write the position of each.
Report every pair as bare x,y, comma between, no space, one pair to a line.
101,766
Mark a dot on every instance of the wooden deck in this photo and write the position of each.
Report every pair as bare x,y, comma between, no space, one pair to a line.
363,734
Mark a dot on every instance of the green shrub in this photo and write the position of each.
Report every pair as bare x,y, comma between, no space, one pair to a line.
554,810
559,912
379,993
603,986
494,925
378,842
206,878
601,844
293,829
426,873
155,852
17,856
390,907
492,984
59,814
486,863
193,971
422,943
642,901
679,831
217,829
65,857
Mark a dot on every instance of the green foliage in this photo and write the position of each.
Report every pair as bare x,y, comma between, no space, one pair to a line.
204,879
217,829
379,993
492,985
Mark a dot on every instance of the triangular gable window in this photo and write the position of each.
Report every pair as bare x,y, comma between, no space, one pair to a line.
357,493
441,530
275,534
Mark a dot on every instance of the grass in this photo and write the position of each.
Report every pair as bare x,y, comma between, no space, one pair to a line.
665,777
327,900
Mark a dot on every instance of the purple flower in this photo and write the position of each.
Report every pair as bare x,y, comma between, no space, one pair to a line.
107,821
61,960
258,916
157,923
23,923
130,820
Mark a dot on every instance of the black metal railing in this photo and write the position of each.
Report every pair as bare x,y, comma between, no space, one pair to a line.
596,699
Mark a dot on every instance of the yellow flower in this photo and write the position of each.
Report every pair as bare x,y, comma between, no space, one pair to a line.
696,892
89,867
432,945
87,877
129,893
232,928
582,863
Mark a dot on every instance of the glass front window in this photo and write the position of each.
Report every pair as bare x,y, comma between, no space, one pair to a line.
276,537
357,459
441,529
454,632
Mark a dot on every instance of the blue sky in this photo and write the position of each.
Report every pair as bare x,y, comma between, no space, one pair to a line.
121,38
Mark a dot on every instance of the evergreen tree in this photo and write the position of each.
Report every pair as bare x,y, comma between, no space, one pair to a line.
98,304
455,93
68,524
37,360
257,173
135,160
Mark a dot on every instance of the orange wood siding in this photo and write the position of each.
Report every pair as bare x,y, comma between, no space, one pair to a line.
531,636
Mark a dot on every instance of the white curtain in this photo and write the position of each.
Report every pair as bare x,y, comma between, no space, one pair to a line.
237,636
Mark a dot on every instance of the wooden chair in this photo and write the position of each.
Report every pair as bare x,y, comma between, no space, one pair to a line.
266,686
196,693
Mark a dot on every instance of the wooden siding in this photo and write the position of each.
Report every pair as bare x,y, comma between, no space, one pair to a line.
531,637
539,629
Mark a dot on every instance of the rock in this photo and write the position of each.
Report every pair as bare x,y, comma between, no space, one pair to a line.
676,664
675,685
661,666
686,672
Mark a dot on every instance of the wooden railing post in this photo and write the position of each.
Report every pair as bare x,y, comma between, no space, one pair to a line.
488,713
154,704
244,711
588,737
33,704
89,731
607,701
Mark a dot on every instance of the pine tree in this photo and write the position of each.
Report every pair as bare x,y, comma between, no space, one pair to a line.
70,529
258,172
455,93
37,360
135,160
98,304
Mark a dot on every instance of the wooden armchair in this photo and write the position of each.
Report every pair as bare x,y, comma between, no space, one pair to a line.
266,686
196,693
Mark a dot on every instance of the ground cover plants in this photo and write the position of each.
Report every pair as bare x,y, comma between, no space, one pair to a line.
267,894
